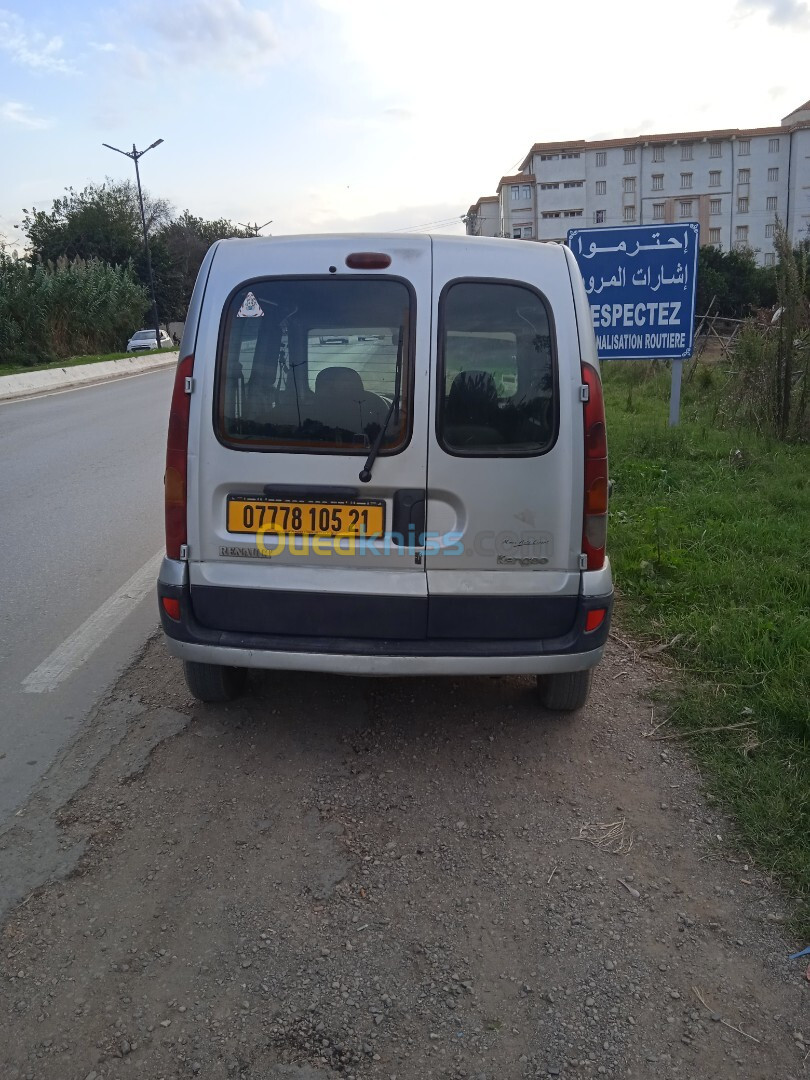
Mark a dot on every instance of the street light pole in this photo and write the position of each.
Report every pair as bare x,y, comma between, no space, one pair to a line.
135,155
255,228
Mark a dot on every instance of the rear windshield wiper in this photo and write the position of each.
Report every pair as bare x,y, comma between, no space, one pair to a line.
365,473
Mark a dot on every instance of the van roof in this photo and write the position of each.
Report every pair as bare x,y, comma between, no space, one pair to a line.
340,244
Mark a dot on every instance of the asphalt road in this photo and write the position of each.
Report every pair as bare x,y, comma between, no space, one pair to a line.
81,497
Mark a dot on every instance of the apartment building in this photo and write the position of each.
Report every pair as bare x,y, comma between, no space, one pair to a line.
734,182
484,217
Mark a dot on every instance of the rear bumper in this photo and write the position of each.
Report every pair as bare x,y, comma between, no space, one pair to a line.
574,650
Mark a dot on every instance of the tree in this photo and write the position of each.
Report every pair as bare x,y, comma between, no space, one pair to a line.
178,252
103,221
734,280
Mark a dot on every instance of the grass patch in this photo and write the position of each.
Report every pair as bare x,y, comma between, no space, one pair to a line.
708,538
75,361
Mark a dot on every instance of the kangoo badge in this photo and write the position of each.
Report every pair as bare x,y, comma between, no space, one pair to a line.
250,308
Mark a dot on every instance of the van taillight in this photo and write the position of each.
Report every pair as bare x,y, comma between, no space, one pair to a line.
594,521
175,478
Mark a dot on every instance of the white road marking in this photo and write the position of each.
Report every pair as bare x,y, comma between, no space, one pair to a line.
84,641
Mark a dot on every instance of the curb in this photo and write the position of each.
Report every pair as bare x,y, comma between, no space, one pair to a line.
30,383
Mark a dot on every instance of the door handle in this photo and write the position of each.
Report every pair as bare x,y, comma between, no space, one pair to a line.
409,515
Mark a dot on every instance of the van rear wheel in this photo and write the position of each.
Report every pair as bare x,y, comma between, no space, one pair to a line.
214,682
565,691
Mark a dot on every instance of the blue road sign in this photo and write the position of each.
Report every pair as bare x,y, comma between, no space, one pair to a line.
641,284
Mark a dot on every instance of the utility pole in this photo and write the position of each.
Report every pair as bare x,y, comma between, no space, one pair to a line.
255,229
135,155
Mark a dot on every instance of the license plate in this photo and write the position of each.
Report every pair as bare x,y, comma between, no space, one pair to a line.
289,517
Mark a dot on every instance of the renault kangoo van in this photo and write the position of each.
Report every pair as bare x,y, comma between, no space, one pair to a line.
387,456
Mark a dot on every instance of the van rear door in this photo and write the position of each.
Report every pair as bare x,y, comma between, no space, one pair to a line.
302,362
505,460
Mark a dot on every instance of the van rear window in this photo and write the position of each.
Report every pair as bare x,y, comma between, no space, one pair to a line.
317,364
497,392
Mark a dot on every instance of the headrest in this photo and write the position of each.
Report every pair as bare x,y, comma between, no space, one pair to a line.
339,381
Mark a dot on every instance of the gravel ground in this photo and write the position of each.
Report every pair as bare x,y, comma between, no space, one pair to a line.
337,878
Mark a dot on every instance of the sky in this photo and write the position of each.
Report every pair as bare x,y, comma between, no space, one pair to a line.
358,115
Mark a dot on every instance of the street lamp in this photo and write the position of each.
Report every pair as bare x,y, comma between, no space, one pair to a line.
255,228
135,155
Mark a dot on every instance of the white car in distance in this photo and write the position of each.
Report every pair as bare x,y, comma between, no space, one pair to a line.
145,339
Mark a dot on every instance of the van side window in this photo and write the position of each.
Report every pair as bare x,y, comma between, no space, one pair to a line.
316,365
497,392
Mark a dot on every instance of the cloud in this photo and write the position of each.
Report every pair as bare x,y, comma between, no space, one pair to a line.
14,112
227,34
427,217
397,113
31,49
780,12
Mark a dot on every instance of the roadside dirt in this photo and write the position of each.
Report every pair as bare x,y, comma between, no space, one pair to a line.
338,878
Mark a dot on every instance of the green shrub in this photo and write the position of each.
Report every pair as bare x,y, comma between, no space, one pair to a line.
768,386
49,311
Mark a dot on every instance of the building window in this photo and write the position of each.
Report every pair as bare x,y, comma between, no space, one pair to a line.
601,158
629,155
658,182
516,193
743,147
715,149
629,213
686,152
769,230
526,191
527,232
599,217
572,213
551,213
629,185
715,206
549,157
741,234
686,207
714,236
743,176
686,179
742,205
770,202
658,211
516,232
773,146
773,175
658,153
569,156
549,187
601,187
714,179
572,183
770,259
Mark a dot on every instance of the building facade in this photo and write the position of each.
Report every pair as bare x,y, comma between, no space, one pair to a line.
734,182
484,217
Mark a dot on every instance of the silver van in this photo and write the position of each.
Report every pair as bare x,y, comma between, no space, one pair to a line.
387,456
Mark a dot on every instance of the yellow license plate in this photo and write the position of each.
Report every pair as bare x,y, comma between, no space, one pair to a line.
249,515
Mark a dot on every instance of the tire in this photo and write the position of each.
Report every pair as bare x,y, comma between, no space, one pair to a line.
213,682
564,692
